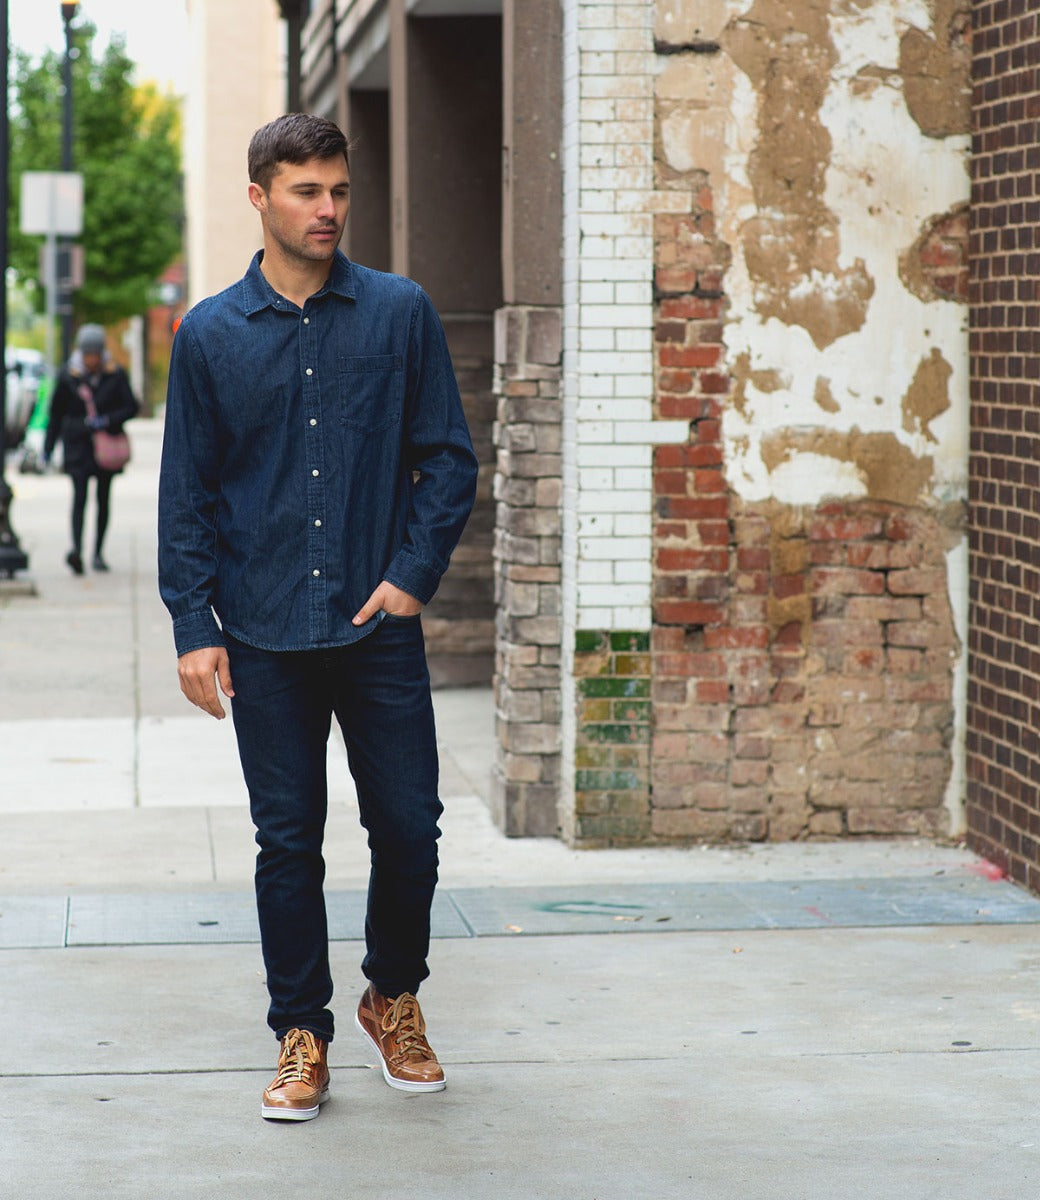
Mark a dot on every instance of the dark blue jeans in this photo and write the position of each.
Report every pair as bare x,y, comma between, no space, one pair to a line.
379,690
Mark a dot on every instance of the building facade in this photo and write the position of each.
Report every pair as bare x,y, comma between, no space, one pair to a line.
236,84
703,268
1003,754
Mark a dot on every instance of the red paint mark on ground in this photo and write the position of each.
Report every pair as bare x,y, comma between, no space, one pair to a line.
987,870
818,914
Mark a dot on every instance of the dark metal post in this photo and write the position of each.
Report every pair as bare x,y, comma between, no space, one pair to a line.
292,14
12,557
64,248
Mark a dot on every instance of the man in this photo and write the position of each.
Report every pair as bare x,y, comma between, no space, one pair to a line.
317,473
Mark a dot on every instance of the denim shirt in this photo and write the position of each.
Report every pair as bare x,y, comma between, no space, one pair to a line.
307,456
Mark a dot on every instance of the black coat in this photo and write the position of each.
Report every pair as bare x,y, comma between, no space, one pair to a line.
68,416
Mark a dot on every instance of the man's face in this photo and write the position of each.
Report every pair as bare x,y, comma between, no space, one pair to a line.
91,361
306,208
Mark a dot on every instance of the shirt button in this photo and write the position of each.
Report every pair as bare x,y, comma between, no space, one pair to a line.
314,472
315,573
306,320
317,524
314,420
309,371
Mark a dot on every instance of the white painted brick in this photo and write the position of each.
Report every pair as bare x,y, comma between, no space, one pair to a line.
635,293
617,225
597,572
598,480
614,269
595,618
634,341
637,525
608,502
638,431
592,453
613,595
599,433
597,154
611,408
593,201
599,247
597,385
597,293
616,316
633,247
599,63
637,63
631,617
599,340
635,109
598,526
635,479
634,571
608,362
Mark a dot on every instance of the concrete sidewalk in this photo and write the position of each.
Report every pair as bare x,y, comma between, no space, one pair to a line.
757,1022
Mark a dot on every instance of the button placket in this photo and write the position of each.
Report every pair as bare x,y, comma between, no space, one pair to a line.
314,446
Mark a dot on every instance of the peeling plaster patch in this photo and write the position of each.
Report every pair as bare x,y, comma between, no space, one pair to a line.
928,396
936,265
792,245
936,70
763,381
886,469
824,397
805,477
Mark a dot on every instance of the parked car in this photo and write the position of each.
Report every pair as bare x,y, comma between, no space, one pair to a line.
25,372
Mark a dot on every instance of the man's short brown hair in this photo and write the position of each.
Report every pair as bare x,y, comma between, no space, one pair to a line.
294,138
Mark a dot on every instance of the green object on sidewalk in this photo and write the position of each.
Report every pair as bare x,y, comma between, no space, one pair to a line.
42,409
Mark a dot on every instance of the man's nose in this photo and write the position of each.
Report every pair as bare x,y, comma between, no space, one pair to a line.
327,207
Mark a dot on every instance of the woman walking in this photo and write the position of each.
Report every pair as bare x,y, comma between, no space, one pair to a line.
92,394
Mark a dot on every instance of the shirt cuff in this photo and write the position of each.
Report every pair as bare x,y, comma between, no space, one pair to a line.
412,576
196,631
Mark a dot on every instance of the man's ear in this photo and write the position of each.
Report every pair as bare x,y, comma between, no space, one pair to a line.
257,197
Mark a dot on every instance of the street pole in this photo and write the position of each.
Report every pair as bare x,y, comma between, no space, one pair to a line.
12,557
68,11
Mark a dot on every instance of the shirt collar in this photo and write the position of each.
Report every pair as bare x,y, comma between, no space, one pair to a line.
258,294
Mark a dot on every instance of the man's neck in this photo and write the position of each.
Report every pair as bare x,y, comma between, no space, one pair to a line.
294,279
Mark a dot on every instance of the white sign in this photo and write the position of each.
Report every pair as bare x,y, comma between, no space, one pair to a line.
52,203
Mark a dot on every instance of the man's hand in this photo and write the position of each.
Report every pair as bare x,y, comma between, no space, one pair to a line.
196,671
389,599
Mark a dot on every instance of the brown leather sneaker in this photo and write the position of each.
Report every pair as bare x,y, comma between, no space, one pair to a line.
398,1032
302,1082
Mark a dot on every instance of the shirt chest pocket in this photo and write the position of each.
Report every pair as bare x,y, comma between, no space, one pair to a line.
371,391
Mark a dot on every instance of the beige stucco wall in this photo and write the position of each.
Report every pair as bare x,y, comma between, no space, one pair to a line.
236,85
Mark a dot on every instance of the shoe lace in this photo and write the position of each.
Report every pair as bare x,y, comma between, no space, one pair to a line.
404,1021
298,1059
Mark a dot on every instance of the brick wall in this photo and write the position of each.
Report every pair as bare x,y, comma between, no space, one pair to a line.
1003,754
459,621
527,434
802,657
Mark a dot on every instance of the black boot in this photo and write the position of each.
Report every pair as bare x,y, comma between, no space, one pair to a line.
75,562
99,563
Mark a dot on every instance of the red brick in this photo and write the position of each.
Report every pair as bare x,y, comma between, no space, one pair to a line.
688,612
750,637
845,528
689,356
692,560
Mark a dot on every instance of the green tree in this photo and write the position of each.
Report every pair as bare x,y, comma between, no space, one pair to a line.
127,145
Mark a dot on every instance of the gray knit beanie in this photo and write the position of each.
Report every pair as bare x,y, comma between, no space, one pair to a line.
90,339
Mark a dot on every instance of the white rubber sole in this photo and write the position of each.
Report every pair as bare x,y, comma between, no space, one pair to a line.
402,1085
293,1114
